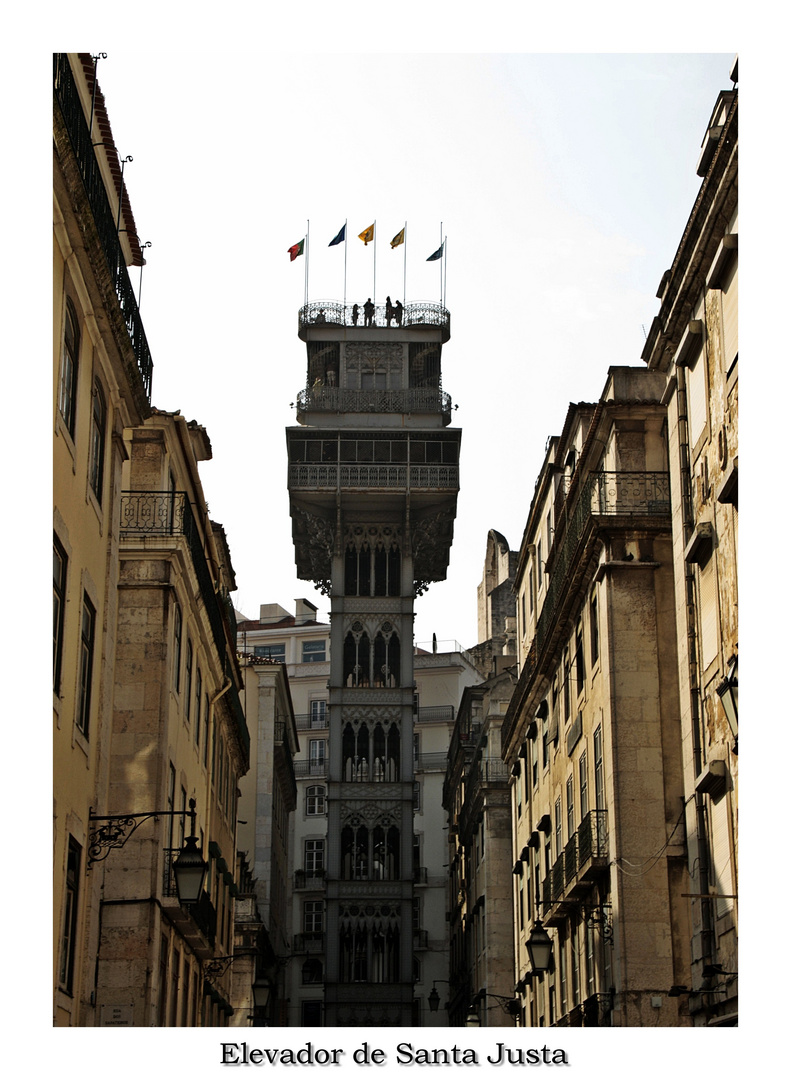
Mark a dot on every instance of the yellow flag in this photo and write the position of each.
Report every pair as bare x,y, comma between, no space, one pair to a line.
367,234
398,238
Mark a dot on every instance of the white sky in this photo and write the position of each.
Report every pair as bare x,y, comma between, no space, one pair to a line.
562,183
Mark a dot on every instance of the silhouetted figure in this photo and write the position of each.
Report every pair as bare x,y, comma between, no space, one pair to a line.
398,311
388,311
355,314
368,311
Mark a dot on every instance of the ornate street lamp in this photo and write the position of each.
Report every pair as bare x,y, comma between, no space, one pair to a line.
473,1020
189,870
728,691
539,948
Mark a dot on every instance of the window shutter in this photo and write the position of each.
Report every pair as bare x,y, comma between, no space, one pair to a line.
696,399
708,613
721,855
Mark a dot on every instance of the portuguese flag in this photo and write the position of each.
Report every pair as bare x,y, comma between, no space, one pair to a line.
297,249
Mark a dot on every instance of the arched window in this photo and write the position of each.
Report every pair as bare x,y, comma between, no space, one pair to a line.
314,804
69,360
98,433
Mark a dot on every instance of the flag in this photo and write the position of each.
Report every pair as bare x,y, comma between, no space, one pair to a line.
398,238
339,238
296,250
437,254
367,235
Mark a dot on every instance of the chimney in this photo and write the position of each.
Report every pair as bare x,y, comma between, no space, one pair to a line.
305,612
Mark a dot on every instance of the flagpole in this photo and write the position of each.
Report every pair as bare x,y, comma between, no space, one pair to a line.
441,261
445,288
405,265
307,260
375,230
345,249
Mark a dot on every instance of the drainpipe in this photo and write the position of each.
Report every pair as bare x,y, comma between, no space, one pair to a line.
685,473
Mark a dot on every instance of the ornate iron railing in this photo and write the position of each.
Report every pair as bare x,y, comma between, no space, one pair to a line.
313,879
311,942
309,722
339,399
381,477
593,838
320,312
435,714
430,762
105,219
304,767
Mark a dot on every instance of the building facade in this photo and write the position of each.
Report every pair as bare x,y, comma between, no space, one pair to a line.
694,344
101,385
178,735
591,736
149,735
373,478
267,800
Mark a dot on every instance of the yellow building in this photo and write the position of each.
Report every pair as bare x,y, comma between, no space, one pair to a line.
149,734
101,385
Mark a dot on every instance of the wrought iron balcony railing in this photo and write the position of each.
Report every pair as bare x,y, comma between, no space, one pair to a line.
105,219
309,879
323,312
373,477
309,722
435,714
304,767
585,853
341,400
311,942
430,762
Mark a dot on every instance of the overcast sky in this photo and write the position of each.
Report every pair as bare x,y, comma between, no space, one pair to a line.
562,183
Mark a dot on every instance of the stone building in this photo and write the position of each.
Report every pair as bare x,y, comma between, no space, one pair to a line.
476,797
591,736
102,384
178,734
373,478
693,344
267,800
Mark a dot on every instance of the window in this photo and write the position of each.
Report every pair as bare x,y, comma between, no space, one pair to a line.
579,660
87,641
594,627
314,800
312,971
67,394
416,797
96,448
539,568
598,768
311,1014
583,771
314,652
198,696
318,714
314,856
177,648
570,807
70,905
313,916
558,828
188,683
206,730
316,752
59,568
271,652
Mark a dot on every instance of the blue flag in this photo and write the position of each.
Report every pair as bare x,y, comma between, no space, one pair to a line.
437,254
339,238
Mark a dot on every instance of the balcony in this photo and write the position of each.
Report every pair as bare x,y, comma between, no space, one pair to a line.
584,857
373,477
309,722
420,875
303,768
105,221
309,879
335,399
311,942
435,714
416,316
430,762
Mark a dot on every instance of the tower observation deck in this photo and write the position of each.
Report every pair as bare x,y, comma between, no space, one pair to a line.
373,477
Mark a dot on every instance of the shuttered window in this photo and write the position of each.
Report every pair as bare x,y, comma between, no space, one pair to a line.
696,398
709,621
723,880
730,315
